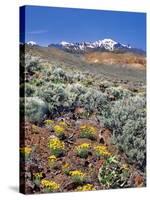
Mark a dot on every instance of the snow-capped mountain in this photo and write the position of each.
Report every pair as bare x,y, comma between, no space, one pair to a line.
31,43
105,44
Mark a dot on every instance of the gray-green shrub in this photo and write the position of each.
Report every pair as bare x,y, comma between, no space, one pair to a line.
35,109
127,120
118,92
30,90
58,91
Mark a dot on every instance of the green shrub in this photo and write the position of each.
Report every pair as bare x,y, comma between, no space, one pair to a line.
113,175
88,98
93,100
61,97
35,109
32,64
55,96
118,92
134,140
30,90
82,150
59,91
127,120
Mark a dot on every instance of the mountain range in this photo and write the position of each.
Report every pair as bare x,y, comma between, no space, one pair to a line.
100,57
105,45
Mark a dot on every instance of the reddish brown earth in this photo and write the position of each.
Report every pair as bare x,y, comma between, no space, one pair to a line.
38,162
134,60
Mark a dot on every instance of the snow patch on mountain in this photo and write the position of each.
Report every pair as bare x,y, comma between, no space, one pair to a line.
31,43
107,44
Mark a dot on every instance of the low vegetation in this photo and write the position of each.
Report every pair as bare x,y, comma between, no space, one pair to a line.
67,116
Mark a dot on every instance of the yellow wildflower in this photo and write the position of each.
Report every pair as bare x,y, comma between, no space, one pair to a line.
101,150
38,175
52,161
59,129
88,131
25,150
62,123
52,158
55,143
49,185
77,176
48,122
76,173
86,187
83,150
84,146
56,146
65,168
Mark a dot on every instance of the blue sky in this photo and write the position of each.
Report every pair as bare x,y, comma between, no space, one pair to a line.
46,25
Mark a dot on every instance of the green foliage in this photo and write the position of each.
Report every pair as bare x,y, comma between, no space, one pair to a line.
82,150
32,64
113,175
57,91
93,100
56,147
35,109
127,120
88,131
61,91
30,90
118,92
61,97
134,136
55,96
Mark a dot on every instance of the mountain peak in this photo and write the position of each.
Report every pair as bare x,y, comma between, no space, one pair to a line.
31,43
63,43
107,43
109,40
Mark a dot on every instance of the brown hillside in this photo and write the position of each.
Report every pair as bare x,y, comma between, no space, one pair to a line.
131,59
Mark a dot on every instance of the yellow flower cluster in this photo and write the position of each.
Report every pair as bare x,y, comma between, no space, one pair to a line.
77,173
55,143
52,158
56,146
86,187
77,176
83,146
88,127
65,168
62,123
59,130
52,161
38,175
88,131
25,150
50,185
101,150
48,122
83,150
